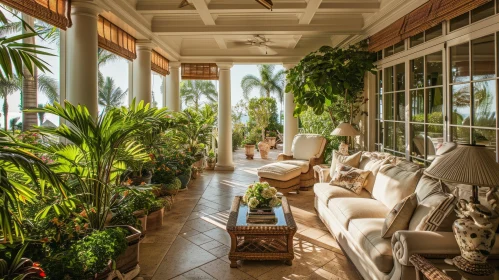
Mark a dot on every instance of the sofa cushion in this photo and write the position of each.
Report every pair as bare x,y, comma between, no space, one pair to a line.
372,164
279,171
394,184
434,213
350,178
400,216
367,236
352,160
427,186
303,164
407,165
325,192
347,209
307,146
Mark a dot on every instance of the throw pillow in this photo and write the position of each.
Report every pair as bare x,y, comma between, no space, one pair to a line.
434,213
351,160
428,186
400,216
372,164
393,184
349,178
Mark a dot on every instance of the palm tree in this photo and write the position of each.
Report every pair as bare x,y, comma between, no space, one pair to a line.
268,83
193,91
104,57
8,87
110,96
49,86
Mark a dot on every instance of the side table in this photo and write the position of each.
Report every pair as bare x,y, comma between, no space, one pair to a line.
428,270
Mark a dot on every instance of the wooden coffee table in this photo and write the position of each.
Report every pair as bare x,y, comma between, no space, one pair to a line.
260,242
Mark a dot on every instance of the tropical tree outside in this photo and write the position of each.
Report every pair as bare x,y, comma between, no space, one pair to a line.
8,87
104,57
193,91
270,82
109,95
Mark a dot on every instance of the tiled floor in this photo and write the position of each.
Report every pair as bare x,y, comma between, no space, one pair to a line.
193,243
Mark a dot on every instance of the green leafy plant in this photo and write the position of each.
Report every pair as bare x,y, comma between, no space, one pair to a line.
331,79
88,256
97,149
260,112
18,267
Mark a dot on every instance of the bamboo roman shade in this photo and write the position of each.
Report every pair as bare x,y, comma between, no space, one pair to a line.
199,71
115,39
54,12
425,17
160,64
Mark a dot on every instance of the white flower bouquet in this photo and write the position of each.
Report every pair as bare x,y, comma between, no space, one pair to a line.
261,195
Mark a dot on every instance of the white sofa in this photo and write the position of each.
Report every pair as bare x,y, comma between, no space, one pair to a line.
357,221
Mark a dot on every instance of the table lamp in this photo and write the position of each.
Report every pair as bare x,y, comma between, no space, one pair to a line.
476,225
347,130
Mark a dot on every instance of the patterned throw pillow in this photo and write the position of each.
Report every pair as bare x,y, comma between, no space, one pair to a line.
350,178
400,216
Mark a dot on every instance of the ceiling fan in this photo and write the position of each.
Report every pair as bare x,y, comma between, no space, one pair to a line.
259,41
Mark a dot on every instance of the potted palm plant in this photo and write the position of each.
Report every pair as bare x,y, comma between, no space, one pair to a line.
211,161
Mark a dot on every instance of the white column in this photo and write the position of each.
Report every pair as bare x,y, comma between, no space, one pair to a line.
142,76
225,161
81,56
290,122
172,100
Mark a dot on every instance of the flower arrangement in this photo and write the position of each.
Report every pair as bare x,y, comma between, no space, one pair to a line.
260,195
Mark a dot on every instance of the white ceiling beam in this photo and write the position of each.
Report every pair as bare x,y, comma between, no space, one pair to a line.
220,42
308,15
294,42
342,6
203,11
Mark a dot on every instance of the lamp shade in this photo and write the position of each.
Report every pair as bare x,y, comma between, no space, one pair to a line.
345,129
467,164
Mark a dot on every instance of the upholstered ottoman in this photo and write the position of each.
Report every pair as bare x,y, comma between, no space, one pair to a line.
282,176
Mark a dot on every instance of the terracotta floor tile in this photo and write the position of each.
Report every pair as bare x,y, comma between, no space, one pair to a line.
221,270
195,274
210,245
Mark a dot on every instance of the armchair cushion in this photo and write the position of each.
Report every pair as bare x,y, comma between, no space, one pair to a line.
303,164
306,146
279,171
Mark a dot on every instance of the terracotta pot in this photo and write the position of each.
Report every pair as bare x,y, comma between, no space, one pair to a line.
271,141
264,148
249,151
130,258
155,219
210,165
143,224
195,174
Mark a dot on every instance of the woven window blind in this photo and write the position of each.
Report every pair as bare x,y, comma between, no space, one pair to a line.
424,17
115,39
160,64
54,12
199,71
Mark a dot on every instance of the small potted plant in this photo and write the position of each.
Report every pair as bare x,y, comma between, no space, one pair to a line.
249,147
271,138
156,213
211,161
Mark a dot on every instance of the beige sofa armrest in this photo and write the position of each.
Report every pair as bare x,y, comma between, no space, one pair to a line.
282,157
426,243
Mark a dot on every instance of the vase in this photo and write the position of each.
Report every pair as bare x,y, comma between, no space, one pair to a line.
185,179
475,243
264,148
249,150
272,142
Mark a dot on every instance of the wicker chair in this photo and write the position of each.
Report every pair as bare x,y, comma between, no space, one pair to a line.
307,151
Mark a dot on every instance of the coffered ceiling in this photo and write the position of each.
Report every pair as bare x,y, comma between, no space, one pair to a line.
244,31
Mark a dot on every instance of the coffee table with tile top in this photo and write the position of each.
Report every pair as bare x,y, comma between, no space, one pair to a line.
260,242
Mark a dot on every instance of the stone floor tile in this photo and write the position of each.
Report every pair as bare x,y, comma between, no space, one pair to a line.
321,274
221,270
210,245
182,257
219,235
257,268
195,274
155,237
220,251
296,271
150,256
200,225
199,239
314,233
